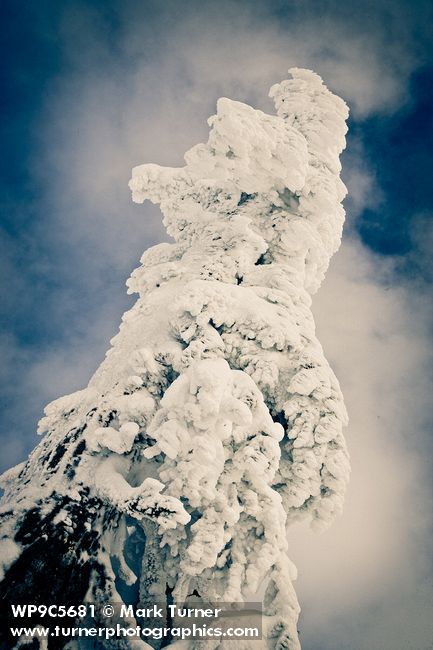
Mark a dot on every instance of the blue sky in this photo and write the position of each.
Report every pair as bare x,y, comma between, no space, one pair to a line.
91,89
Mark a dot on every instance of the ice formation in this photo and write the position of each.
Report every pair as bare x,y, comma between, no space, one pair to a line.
215,420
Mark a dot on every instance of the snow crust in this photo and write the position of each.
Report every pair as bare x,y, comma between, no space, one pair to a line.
215,420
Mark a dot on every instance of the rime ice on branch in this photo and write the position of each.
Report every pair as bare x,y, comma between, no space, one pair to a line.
215,419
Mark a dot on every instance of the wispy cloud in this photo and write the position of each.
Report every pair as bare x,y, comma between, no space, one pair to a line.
373,565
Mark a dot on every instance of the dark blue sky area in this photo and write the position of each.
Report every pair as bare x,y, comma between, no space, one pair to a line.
400,149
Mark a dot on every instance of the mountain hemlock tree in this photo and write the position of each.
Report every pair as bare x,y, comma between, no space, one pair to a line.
215,420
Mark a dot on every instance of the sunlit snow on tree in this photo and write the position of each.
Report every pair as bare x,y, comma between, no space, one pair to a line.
215,419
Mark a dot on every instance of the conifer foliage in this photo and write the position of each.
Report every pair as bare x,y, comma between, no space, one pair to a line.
215,420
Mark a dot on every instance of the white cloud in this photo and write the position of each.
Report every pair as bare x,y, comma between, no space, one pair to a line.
375,556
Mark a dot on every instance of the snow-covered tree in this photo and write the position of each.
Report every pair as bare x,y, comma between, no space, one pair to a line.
215,420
